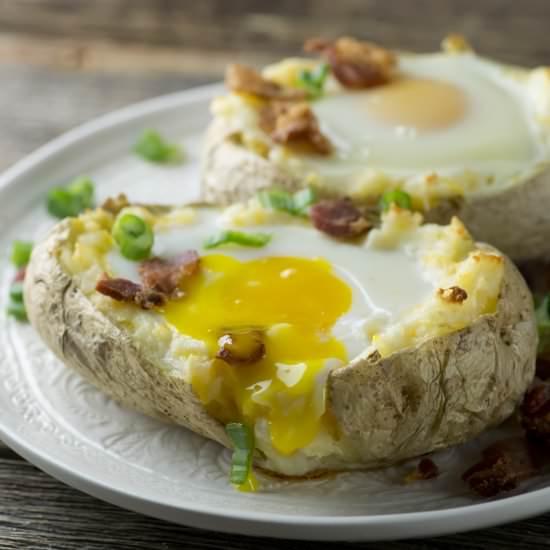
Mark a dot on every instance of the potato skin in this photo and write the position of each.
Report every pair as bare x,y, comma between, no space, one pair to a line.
86,340
515,220
441,393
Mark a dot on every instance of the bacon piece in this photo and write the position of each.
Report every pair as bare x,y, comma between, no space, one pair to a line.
453,294
502,467
242,347
425,469
165,276
339,218
355,64
242,79
535,413
123,290
543,368
20,274
294,124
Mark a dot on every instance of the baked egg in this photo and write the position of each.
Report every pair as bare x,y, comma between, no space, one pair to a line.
446,125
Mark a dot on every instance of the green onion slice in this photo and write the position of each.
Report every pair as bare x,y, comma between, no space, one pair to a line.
17,310
296,204
542,315
314,81
396,196
237,237
152,147
16,292
21,253
134,237
71,200
242,438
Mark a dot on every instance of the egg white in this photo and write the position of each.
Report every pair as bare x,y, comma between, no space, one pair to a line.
384,283
494,135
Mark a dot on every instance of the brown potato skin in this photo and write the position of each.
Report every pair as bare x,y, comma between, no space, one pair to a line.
86,340
515,220
445,391
438,394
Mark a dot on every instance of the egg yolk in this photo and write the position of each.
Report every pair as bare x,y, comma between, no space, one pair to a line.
423,104
293,302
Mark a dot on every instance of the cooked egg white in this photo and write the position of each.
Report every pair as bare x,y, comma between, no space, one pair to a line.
319,304
449,124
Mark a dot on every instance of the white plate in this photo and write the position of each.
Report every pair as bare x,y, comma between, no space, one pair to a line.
70,430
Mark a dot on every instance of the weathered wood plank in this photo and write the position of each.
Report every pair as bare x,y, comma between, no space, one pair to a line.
500,26
37,511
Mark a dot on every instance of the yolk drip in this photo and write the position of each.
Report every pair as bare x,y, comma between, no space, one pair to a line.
294,302
417,103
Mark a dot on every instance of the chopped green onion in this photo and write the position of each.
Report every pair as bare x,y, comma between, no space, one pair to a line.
542,315
72,199
296,204
152,147
17,310
21,253
237,237
242,438
134,236
314,81
16,292
396,196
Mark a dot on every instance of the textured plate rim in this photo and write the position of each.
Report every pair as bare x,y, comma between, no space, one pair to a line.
368,527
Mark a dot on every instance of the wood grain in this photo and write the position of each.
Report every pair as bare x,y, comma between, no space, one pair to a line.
63,62
37,511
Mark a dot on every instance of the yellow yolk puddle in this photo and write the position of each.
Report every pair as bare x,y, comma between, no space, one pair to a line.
295,302
417,103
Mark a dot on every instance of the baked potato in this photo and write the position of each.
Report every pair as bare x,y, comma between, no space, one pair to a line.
461,134
339,355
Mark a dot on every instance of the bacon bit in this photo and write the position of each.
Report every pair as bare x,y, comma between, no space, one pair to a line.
355,64
502,467
294,124
425,469
20,275
123,290
115,204
452,295
241,79
535,413
165,276
242,347
339,218
543,368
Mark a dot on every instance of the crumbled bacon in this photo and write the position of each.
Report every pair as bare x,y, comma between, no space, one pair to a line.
115,204
165,276
243,347
453,294
241,79
355,64
339,218
543,368
123,290
535,413
502,467
294,124
20,274
425,469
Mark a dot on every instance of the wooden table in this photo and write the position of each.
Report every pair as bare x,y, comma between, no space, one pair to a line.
63,62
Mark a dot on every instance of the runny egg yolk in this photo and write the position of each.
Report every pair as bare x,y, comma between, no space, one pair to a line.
294,302
422,104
